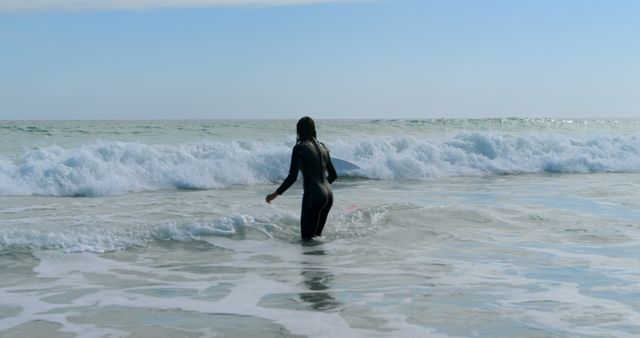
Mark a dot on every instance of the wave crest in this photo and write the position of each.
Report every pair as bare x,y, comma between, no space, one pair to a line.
107,168
484,153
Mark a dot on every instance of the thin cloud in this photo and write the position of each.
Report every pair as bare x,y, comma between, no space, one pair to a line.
27,5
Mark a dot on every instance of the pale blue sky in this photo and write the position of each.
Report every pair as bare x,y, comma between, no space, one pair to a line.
352,59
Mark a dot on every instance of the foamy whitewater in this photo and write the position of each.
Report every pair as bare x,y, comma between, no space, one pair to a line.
449,228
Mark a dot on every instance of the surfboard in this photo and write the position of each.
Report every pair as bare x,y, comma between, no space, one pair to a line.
344,167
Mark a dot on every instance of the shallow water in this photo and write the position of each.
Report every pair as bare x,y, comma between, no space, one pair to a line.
534,254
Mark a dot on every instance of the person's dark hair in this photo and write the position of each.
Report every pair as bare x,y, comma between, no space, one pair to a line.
306,129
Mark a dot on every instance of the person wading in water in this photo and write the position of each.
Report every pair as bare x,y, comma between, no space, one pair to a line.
312,158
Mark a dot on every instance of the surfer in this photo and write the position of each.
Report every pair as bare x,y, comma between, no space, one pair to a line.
312,157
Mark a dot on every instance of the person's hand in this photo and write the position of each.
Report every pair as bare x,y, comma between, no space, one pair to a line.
271,197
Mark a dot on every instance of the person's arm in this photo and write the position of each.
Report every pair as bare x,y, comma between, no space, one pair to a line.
291,178
331,170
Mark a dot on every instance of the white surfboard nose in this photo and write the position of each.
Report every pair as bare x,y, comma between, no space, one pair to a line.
343,167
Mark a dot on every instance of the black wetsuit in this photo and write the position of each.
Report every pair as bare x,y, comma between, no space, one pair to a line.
313,159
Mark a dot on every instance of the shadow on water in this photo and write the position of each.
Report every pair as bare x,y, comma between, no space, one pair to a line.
317,281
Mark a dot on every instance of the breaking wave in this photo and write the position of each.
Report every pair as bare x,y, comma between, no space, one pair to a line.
108,168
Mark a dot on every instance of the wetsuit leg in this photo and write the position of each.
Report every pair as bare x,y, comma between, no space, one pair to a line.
324,212
313,203
308,217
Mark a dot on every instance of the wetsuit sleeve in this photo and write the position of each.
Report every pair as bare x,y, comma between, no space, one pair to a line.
293,172
331,170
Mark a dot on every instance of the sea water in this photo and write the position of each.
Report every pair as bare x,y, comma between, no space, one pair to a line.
450,228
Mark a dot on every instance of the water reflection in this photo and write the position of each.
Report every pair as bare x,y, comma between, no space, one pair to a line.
317,280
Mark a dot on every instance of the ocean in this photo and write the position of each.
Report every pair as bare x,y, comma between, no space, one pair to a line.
449,228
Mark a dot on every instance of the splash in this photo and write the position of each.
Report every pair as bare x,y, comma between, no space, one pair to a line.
109,168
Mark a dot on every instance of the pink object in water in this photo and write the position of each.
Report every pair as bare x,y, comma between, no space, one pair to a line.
352,208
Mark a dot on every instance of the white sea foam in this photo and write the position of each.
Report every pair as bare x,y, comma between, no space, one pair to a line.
480,153
99,240
281,225
107,168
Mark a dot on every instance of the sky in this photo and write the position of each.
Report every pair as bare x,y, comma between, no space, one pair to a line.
221,59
